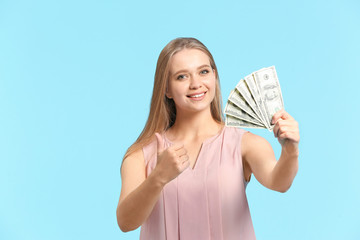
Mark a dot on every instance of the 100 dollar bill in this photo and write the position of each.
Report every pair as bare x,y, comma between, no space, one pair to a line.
255,100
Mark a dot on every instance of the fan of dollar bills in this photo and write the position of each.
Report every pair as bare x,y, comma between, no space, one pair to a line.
255,100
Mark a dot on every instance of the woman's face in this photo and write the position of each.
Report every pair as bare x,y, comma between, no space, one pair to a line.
192,81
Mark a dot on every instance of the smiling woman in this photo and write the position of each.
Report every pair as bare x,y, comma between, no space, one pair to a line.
186,174
162,109
192,88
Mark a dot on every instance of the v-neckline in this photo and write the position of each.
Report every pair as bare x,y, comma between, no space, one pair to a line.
206,141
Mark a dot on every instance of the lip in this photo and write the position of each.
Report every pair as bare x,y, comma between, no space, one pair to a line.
191,95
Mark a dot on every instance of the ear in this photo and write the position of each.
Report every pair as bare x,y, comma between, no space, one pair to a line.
167,94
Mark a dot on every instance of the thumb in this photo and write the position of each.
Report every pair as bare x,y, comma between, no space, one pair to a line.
160,143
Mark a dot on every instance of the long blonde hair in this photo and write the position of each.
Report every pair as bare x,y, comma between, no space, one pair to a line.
162,109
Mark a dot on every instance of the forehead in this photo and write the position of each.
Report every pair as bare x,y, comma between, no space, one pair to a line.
188,59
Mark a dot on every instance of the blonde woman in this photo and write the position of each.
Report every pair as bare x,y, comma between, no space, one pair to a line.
185,176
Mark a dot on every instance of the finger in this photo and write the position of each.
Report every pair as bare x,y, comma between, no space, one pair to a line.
160,143
286,116
285,135
276,130
176,146
284,129
277,127
283,122
284,125
184,158
291,124
282,114
275,117
290,136
180,152
295,136
185,164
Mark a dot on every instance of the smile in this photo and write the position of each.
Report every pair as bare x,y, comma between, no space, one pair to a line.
197,95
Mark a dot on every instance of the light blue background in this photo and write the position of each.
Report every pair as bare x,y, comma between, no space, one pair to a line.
76,79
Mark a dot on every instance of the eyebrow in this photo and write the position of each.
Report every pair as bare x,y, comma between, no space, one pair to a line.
202,66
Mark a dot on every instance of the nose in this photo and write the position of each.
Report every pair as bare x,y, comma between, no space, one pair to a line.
195,82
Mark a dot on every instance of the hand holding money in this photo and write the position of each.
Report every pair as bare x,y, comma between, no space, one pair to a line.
257,102
286,130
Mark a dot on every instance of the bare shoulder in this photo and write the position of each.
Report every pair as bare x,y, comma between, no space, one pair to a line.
134,159
251,142
134,163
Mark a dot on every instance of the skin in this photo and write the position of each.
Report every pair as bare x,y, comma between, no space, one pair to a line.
190,73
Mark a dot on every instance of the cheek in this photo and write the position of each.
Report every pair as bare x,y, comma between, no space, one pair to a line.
212,84
175,90
213,90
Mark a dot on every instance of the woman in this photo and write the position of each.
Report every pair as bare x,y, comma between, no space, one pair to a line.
185,176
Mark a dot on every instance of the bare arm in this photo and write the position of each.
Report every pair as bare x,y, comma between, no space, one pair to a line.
139,194
259,156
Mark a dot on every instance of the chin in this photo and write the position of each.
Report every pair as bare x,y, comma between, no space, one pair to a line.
195,109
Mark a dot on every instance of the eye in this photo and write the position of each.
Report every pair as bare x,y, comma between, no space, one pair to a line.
205,71
180,77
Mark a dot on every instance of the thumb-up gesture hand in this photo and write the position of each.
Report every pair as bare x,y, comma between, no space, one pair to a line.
171,161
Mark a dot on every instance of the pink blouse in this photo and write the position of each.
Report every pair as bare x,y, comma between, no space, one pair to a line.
206,202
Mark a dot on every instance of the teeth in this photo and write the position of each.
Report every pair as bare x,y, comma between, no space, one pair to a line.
199,95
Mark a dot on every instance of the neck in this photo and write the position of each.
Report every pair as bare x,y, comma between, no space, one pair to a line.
191,126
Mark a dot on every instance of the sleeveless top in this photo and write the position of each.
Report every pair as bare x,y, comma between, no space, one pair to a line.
207,201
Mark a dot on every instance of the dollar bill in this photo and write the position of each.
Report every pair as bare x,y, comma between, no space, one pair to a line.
256,95
235,122
232,110
270,93
236,98
244,91
255,100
